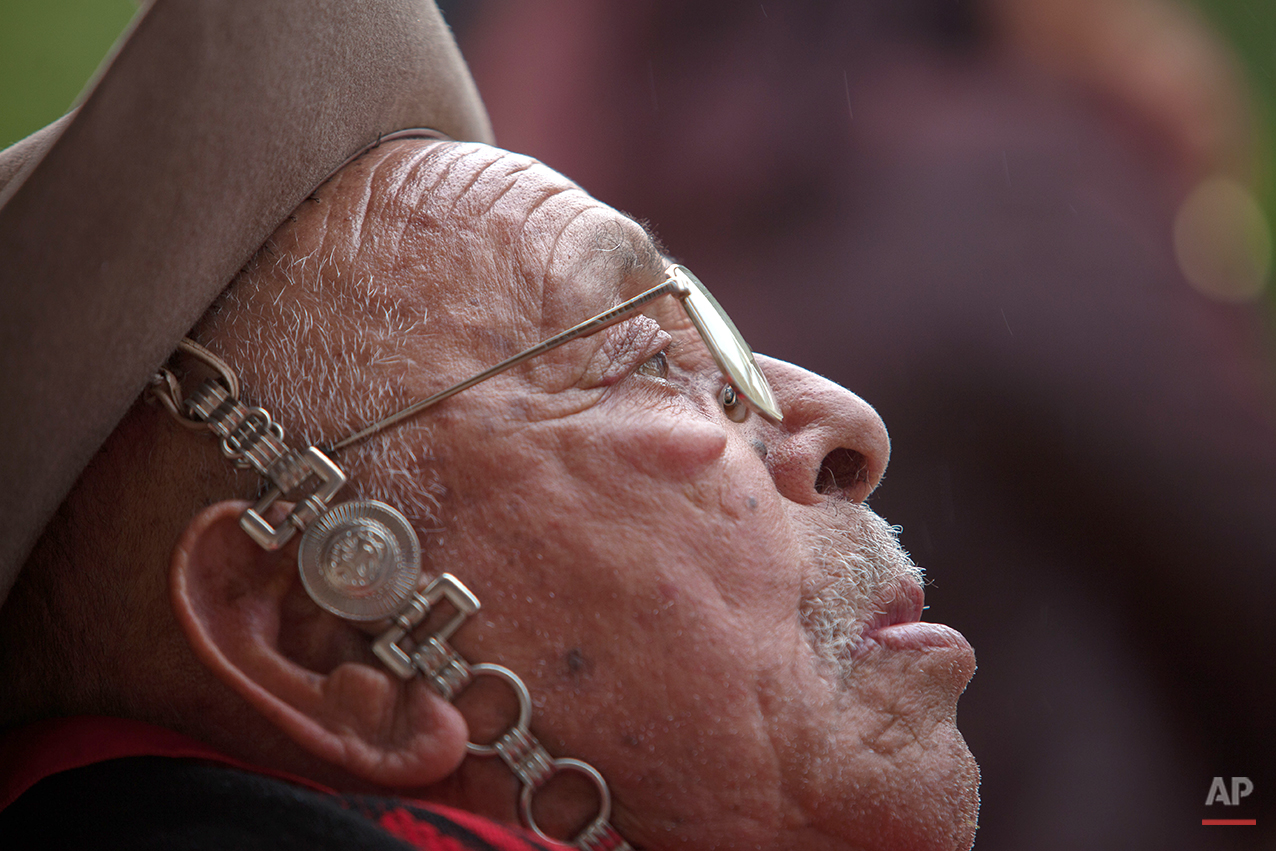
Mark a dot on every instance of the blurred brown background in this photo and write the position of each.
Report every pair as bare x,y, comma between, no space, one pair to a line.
1030,233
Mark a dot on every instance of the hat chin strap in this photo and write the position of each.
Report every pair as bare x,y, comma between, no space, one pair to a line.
361,560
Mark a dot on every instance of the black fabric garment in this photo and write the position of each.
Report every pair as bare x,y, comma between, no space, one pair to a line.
141,803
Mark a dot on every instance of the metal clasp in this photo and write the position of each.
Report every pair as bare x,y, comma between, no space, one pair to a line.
303,513
251,439
400,659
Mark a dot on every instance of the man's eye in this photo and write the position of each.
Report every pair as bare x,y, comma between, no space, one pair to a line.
657,366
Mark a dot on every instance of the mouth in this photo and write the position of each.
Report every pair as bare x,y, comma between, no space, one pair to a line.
898,624
869,600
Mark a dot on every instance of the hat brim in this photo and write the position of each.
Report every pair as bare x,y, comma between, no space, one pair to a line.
119,225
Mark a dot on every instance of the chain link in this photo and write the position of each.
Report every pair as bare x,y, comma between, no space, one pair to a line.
251,439
450,674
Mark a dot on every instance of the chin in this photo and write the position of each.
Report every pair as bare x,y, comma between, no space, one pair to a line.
963,809
929,804
943,811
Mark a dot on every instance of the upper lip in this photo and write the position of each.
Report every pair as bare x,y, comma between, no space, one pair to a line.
900,602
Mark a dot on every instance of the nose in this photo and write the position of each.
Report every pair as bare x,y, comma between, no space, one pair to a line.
831,443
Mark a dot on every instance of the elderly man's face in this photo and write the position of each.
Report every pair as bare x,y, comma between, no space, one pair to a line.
699,604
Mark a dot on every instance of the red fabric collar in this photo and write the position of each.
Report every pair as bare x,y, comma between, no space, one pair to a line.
30,753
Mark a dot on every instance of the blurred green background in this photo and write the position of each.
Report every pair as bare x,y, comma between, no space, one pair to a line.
49,50
1250,27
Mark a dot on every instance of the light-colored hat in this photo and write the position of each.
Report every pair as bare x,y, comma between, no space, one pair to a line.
120,223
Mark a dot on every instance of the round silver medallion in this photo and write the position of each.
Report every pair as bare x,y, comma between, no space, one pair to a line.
361,560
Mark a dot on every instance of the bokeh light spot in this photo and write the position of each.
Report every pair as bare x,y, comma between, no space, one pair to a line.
1222,241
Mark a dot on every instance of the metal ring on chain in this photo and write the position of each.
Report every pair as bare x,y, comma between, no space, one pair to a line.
604,798
524,705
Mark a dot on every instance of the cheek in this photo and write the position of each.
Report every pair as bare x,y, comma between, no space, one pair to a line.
669,448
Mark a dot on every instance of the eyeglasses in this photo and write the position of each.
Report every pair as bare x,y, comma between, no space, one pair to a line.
732,355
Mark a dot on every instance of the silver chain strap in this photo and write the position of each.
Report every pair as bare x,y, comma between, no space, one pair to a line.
450,674
252,440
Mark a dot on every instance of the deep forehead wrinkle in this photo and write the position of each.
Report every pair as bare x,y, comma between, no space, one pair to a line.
478,175
488,176
402,183
438,184
510,180
390,188
435,182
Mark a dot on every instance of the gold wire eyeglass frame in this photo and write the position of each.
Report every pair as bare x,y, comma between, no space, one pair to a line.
729,350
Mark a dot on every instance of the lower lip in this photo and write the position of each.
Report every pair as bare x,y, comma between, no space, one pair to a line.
919,636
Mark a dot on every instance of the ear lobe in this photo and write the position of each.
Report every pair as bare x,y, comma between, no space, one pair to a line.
248,619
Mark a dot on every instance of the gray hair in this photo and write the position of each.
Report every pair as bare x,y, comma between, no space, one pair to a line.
321,352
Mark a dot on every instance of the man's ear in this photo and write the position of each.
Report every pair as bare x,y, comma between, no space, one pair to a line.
248,619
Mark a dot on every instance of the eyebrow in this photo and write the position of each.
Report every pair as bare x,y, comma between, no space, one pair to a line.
626,254
643,254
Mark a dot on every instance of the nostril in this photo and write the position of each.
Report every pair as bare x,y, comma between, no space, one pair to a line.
841,470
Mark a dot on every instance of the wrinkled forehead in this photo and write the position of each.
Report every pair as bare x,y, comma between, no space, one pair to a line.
496,231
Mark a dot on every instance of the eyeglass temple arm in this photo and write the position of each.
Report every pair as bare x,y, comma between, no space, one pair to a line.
671,286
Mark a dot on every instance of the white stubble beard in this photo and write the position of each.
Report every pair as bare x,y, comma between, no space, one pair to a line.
859,567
